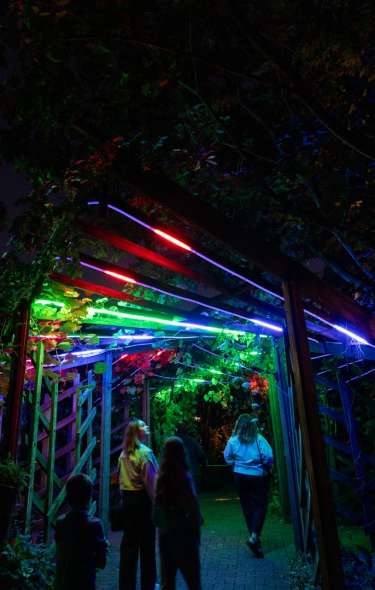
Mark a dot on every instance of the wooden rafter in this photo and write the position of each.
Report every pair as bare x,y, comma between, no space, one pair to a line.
335,307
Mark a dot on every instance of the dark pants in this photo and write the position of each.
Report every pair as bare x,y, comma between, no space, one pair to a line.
179,554
253,493
138,539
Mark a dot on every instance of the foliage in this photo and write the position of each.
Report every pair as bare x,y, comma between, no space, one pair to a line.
12,474
359,569
264,117
301,574
208,394
26,566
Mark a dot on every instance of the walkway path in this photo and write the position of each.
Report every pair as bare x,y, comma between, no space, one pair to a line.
226,562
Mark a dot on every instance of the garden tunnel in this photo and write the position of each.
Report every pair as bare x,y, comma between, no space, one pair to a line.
171,314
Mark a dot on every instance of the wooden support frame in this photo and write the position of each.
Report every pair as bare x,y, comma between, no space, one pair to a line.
105,442
34,434
275,400
14,398
265,256
287,417
313,445
51,458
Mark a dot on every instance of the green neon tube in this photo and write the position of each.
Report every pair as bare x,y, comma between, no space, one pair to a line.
162,321
49,302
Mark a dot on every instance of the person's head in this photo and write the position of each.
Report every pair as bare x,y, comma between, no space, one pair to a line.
246,428
136,433
174,455
173,483
79,491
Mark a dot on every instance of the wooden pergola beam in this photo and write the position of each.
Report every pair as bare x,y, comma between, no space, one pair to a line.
171,291
152,256
139,251
336,307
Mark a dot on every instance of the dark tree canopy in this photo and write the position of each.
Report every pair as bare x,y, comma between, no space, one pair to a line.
264,110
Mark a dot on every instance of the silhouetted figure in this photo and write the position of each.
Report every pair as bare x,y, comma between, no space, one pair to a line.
195,455
137,477
251,457
80,544
178,517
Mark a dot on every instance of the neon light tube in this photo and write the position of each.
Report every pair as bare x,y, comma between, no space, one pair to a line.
193,251
49,302
267,325
144,318
88,352
351,334
172,239
235,274
117,275
130,337
172,294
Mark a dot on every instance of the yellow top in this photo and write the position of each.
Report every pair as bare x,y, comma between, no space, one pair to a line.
138,470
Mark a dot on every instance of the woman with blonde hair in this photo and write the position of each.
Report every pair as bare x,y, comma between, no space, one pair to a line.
251,457
137,477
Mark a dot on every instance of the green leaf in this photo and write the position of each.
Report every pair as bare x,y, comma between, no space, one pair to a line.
99,368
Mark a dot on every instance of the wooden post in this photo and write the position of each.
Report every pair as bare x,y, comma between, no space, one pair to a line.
51,457
34,433
287,419
14,397
146,402
105,442
279,447
313,445
90,383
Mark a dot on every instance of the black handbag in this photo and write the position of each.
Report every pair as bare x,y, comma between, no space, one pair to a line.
266,466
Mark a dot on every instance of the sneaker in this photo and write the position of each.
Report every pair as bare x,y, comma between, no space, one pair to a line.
256,549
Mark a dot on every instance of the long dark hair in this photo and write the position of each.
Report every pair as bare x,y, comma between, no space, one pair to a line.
246,428
174,484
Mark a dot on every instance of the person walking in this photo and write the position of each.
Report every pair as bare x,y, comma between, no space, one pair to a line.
137,477
251,457
178,517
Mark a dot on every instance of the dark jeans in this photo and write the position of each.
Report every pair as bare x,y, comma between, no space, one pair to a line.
253,493
179,554
138,539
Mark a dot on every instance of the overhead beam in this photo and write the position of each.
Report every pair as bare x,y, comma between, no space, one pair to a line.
139,251
176,292
90,287
173,311
152,256
337,307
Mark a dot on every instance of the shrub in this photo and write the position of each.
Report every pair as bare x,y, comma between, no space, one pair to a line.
301,574
359,569
26,566
12,475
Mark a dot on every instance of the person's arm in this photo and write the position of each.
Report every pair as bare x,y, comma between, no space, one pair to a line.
196,514
228,453
150,472
101,546
266,451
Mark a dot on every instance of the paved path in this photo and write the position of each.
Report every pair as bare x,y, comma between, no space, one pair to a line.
226,562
